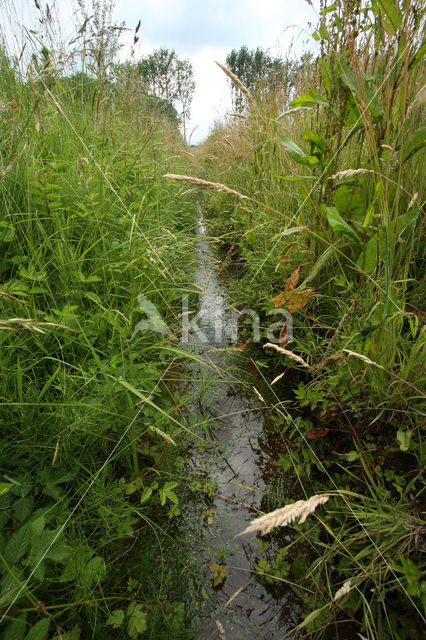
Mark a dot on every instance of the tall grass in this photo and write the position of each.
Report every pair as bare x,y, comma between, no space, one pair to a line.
87,226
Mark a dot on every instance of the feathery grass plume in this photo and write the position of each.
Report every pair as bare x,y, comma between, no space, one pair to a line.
235,79
259,395
281,517
344,589
288,353
166,437
291,111
216,186
31,325
354,354
221,630
350,172
10,297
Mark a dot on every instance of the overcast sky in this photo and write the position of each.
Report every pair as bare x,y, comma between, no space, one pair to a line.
203,31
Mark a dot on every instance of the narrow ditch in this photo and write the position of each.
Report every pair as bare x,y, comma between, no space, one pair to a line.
227,598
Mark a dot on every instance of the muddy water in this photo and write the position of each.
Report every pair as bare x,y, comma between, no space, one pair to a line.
232,462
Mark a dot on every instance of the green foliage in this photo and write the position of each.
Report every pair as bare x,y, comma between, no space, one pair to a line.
337,187
87,226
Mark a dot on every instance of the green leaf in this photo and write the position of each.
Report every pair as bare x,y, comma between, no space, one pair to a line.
295,178
368,216
367,261
116,619
146,494
338,224
5,487
405,220
350,80
166,492
16,629
51,479
18,545
38,525
293,150
305,100
136,620
392,17
39,630
404,438
310,99
7,231
415,142
95,572
23,508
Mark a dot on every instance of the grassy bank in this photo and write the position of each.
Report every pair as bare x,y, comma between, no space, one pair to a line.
88,405
326,222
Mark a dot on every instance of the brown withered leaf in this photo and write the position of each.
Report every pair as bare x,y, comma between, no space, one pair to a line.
283,335
280,298
243,346
316,433
299,300
289,286
283,258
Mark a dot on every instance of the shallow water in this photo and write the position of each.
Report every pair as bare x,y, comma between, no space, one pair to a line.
233,462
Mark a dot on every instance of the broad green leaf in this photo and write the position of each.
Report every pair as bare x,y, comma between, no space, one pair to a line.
39,630
23,508
392,16
404,438
293,150
338,224
16,629
318,97
405,220
38,525
350,80
167,492
95,572
146,494
18,545
349,202
418,57
316,140
52,479
305,100
116,619
367,261
310,99
136,620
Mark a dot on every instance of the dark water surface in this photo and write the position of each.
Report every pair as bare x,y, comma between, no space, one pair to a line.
232,462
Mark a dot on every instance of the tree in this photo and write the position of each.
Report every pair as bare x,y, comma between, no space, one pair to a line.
170,78
185,87
258,71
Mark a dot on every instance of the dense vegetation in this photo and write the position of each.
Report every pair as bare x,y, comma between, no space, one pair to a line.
325,220
329,226
87,226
